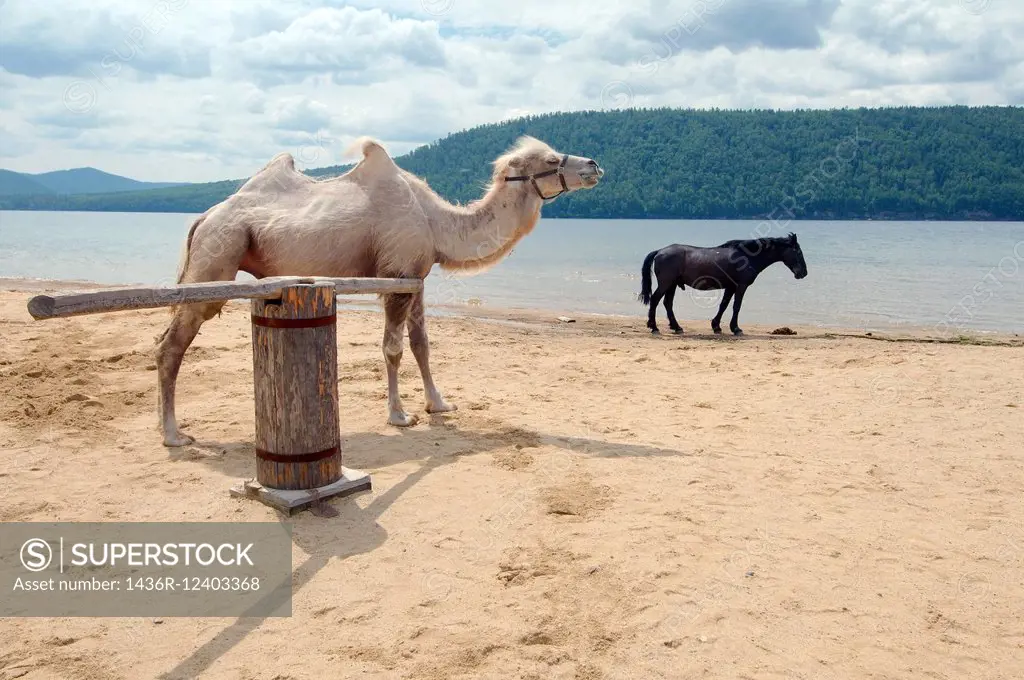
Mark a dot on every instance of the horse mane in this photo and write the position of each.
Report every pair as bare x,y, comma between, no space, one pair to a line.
759,244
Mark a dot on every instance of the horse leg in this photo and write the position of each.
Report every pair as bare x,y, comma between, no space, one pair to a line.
670,295
655,300
716,323
396,311
420,346
734,326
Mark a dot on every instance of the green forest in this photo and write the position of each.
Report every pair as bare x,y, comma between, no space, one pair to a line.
951,162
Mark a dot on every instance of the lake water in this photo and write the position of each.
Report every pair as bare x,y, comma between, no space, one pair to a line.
948,276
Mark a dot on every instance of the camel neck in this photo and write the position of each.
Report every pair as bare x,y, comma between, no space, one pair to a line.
484,231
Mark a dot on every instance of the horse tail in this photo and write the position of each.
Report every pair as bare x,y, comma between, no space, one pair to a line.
645,278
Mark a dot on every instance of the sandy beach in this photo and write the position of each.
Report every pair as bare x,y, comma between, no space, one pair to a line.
604,503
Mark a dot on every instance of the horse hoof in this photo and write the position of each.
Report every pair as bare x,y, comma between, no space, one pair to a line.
737,331
718,331
677,331
655,331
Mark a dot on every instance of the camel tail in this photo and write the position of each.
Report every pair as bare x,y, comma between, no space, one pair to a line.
186,250
645,278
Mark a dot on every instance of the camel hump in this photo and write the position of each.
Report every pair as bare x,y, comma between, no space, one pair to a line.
375,156
366,146
282,162
284,159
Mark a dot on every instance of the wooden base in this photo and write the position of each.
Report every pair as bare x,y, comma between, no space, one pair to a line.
290,502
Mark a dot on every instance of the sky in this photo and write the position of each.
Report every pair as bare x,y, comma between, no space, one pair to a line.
203,90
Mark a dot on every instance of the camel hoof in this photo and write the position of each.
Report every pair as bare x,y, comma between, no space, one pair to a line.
442,407
178,439
400,419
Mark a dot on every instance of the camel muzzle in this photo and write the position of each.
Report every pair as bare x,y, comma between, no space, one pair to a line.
592,173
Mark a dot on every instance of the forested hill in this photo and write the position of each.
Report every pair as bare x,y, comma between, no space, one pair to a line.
912,163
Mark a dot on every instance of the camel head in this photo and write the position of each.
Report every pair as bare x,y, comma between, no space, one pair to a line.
552,173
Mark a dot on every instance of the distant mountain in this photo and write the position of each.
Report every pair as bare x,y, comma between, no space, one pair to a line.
93,181
15,184
73,182
911,163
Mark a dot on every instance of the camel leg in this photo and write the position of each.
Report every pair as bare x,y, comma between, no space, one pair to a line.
396,311
420,346
214,256
169,352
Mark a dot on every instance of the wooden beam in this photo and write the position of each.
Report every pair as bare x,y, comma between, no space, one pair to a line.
148,297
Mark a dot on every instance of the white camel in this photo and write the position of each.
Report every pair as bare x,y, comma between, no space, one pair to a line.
376,220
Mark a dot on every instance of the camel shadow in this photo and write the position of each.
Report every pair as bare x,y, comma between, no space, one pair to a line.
439,438
355,530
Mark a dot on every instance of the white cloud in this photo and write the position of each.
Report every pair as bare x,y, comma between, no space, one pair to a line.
301,114
65,38
12,145
352,45
188,90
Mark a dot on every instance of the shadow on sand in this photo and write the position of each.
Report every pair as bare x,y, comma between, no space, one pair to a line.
354,530
377,450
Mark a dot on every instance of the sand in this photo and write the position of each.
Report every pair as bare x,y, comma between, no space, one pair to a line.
604,504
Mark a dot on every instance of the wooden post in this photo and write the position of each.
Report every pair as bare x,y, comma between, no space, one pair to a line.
295,382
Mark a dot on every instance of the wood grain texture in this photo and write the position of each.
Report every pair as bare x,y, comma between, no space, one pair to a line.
148,297
295,385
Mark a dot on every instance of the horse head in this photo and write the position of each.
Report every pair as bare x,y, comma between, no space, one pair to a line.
793,257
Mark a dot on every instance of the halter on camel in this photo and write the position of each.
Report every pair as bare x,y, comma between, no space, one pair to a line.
533,179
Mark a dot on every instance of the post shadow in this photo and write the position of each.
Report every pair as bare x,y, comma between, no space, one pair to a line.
365,534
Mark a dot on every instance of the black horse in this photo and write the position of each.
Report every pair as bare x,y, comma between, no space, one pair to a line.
732,267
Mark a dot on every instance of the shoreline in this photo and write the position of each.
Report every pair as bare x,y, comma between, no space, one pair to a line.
602,324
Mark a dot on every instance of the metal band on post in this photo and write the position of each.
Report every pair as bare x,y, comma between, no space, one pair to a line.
296,457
